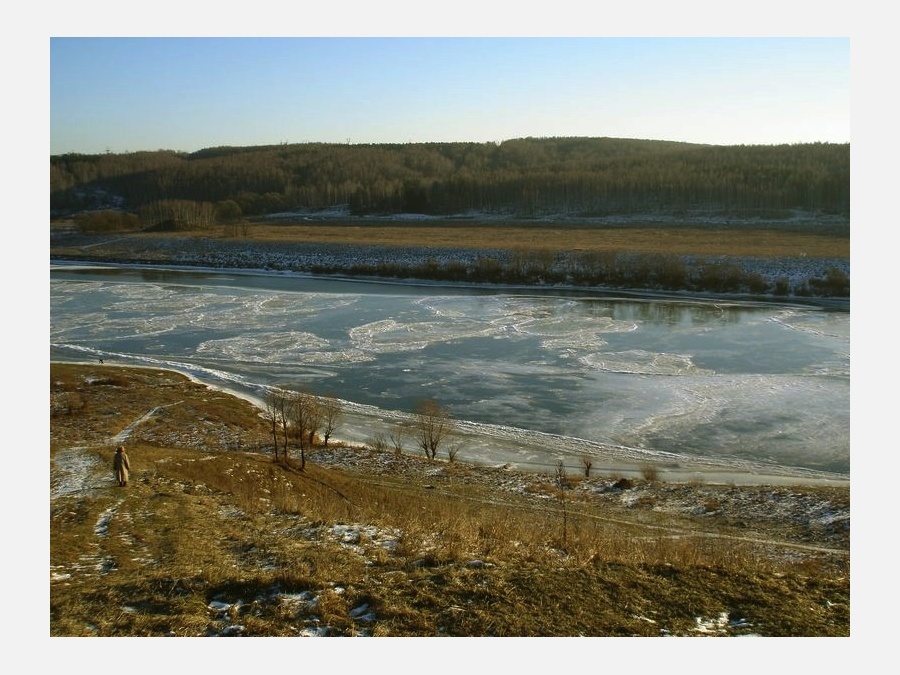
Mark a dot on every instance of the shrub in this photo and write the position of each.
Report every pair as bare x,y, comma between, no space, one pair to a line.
650,473
587,463
379,444
835,284
106,221
711,504
623,484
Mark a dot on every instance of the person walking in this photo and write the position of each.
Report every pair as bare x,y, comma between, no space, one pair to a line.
121,467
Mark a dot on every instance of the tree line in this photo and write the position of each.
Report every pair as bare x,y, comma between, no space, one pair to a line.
522,177
299,419
655,271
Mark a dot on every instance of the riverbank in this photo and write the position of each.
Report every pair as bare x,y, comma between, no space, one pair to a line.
157,408
745,277
497,450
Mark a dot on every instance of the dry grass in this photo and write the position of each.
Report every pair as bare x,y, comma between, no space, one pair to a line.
740,242
208,540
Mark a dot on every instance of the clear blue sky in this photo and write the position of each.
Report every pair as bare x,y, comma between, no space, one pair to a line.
130,94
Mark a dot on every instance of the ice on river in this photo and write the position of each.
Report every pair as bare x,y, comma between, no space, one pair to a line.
531,378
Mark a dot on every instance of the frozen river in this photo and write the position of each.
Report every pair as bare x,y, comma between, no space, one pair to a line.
701,388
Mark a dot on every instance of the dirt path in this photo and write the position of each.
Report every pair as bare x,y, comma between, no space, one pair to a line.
123,435
75,472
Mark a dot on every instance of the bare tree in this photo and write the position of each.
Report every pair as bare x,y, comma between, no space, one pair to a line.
561,490
313,420
303,420
272,416
432,426
285,404
453,450
276,413
332,410
586,464
398,434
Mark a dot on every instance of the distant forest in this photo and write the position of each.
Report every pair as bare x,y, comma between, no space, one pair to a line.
527,177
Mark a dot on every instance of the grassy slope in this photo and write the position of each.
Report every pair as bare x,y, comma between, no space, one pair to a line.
415,548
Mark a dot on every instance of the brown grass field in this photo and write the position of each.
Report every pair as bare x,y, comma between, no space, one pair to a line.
212,537
682,240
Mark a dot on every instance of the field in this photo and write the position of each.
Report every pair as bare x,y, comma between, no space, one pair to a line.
648,239
804,260
749,238
213,537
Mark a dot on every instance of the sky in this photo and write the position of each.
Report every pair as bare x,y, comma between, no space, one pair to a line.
126,94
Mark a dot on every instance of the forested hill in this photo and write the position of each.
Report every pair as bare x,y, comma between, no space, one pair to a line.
524,177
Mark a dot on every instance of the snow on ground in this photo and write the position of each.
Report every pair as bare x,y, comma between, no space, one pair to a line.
75,473
78,475
307,257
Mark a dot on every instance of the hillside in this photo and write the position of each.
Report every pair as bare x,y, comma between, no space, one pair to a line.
525,178
212,537
618,213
